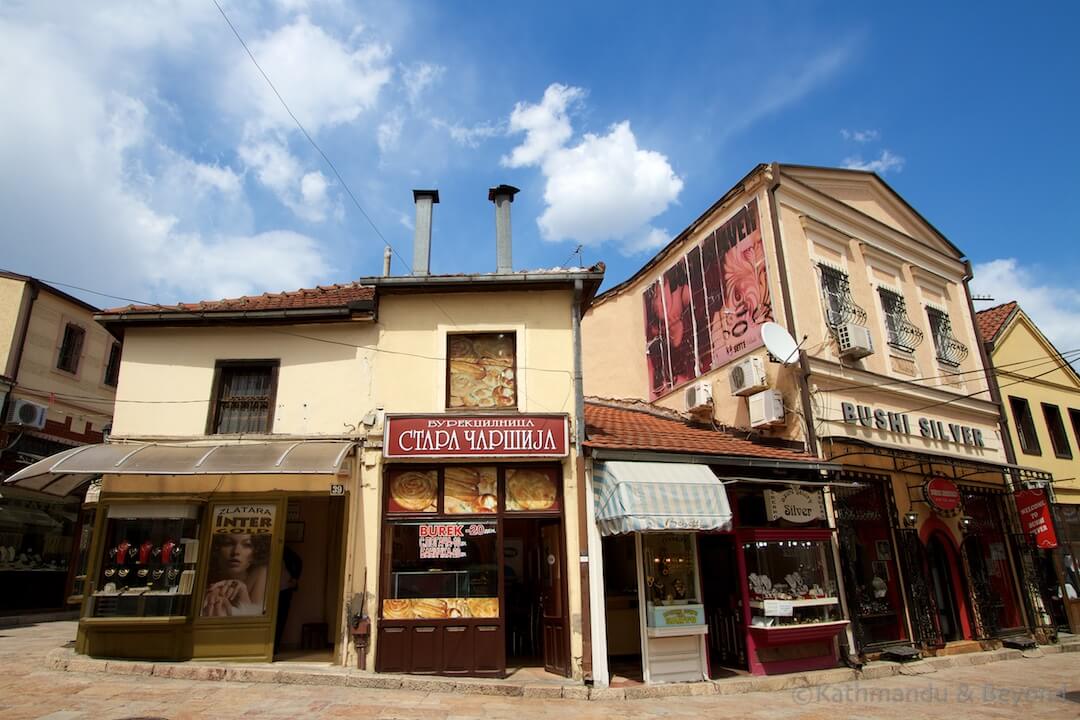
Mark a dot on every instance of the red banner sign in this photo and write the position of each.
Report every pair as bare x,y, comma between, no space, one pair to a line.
1035,517
942,494
477,436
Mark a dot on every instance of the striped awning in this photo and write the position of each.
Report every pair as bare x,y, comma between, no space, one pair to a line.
642,496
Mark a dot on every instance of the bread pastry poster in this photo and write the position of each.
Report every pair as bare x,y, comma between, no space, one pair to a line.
471,490
439,608
529,490
482,371
414,491
240,542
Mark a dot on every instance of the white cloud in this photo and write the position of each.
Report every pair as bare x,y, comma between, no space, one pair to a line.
419,77
388,133
303,192
88,202
469,137
604,188
860,136
1054,308
886,162
324,81
546,125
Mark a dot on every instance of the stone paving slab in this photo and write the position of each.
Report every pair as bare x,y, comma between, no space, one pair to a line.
65,659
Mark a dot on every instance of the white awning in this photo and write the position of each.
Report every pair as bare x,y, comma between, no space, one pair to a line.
65,472
641,496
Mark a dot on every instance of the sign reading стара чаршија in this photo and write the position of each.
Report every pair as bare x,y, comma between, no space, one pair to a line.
476,436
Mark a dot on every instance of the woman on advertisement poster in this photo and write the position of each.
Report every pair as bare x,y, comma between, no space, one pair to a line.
239,561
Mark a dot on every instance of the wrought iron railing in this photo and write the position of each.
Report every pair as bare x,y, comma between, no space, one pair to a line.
901,332
840,308
950,351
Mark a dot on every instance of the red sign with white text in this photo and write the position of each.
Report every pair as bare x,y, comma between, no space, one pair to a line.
942,494
1035,516
476,436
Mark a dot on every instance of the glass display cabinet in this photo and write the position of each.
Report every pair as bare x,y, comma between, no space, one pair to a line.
147,567
791,582
669,564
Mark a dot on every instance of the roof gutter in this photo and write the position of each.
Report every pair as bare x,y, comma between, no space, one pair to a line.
695,459
789,314
357,307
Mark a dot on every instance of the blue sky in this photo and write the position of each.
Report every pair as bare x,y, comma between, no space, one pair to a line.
142,154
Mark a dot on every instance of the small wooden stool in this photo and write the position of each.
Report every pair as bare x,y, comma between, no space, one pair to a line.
313,636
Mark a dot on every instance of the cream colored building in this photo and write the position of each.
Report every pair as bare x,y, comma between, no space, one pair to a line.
888,380
57,385
272,460
1040,391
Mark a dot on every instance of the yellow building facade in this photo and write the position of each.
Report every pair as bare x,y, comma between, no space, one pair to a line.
1040,392
883,374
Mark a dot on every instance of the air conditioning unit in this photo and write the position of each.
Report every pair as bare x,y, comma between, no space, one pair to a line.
698,397
854,340
766,408
748,377
26,414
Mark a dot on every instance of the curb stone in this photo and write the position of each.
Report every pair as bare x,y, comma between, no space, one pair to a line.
65,660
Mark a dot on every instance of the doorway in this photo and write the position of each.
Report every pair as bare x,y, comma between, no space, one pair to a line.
309,588
722,596
534,591
941,560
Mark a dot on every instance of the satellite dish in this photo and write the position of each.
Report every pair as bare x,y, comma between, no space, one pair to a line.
779,343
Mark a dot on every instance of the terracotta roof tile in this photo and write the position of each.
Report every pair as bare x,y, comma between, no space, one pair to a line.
321,296
992,320
622,427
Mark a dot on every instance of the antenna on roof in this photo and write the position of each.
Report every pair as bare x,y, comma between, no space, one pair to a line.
982,298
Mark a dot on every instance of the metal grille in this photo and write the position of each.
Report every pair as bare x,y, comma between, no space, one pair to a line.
840,308
243,404
950,351
901,332
920,602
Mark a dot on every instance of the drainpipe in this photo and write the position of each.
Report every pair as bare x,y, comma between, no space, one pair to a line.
789,315
582,496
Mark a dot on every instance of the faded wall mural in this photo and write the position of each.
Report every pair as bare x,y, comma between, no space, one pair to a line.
708,308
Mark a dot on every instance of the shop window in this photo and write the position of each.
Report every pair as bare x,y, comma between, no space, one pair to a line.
473,490
791,582
71,348
243,397
986,550
531,490
1058,439
950,351
413,491
1025,425
671,589
147,565
481,371
900,332
442,570
112,366
82,558
36,537
470,490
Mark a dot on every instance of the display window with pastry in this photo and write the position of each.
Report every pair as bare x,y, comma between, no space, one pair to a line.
481,371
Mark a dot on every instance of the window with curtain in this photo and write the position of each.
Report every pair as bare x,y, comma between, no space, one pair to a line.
244,397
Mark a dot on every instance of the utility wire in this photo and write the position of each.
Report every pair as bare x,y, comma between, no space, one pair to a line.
307,135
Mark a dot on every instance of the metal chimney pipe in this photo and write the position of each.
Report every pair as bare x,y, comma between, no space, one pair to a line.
424,200
387,256
502,196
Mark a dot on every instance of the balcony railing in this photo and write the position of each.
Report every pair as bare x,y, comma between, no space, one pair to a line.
950,351
902,333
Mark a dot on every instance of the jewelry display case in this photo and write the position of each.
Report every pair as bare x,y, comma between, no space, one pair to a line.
147,568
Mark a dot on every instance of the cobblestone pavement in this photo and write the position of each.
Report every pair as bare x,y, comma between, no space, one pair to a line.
1046,687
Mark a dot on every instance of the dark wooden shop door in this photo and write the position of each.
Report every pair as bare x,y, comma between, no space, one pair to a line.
553,601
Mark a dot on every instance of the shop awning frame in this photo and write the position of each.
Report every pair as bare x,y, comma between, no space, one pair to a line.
728,480
643,496
65,472
815,465
1019,474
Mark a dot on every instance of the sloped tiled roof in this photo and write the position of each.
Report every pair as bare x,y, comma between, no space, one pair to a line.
620,426
317,297
992,320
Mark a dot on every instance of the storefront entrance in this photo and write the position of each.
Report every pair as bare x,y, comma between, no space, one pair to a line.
533,588
941,564
309,586
722,595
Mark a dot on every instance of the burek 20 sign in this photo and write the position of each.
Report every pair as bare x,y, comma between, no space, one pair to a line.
476,436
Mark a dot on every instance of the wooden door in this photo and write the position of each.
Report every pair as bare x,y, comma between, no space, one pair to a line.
553,609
